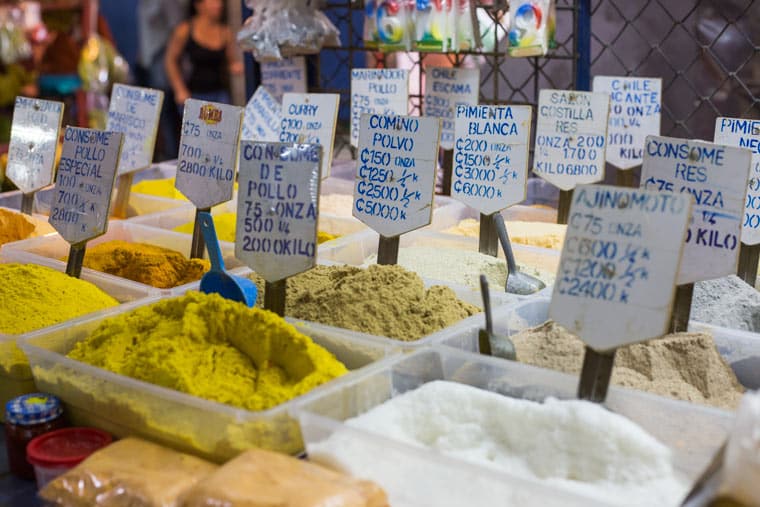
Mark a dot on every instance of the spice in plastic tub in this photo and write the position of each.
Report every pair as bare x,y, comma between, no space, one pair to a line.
26,418
57,452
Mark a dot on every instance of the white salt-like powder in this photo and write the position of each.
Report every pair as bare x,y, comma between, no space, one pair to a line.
727,302
462,267
574,446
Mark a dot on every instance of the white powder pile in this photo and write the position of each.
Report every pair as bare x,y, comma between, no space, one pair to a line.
462,267
570,445
727,302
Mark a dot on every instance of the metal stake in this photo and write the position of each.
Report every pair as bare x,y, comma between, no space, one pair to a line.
596,375
274,296
76,259
748,260
563,209
27,203
447,163
123,189
198,246
387,250
679,320
489,240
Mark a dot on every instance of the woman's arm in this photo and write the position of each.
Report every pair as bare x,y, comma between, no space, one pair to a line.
174,50
233,58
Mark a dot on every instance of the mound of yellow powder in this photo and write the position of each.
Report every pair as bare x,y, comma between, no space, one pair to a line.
539,234
144,263
33,297
159,188
225,225
213,348
15,226
381,300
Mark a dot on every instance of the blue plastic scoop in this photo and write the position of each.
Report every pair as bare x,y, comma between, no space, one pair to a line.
217,280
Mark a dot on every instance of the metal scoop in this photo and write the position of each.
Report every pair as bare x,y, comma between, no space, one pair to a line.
517,282
490,343
236,288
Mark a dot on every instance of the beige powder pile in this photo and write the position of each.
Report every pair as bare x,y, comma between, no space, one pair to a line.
684,366
381,300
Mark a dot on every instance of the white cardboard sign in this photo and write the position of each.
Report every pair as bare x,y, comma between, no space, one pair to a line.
208,152
278,208
716,177
310,118
284,76
380,91
135,112
84,183
635,108
491,156
395,176
571,137
262,117
445,89
34,140
616,278
745,134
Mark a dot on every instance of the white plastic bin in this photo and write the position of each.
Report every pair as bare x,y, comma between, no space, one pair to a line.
124,406
693,433
50,250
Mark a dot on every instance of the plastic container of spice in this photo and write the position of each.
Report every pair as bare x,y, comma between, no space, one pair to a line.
15,375
168,220
457,211
471,296
363,245
693,433
739,348
49,250
57,452
124,406
26,418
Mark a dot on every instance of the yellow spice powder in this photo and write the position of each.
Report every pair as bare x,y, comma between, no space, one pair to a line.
16,226
213,348
144,263
159,188
225,225
33,297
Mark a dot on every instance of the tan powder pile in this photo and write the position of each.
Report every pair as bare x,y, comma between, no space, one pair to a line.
381,300
684,366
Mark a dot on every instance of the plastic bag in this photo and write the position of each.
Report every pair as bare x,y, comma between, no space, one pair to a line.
532,26
14,45
283,28
128,472
259,478
434,27
741,466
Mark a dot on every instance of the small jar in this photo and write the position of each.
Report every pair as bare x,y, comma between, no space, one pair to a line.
27,417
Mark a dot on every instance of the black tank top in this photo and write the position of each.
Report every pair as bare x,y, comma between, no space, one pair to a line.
208,67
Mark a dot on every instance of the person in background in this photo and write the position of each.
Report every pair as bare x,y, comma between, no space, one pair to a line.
156,20
207,46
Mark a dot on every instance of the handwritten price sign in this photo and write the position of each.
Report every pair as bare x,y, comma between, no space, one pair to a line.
617,273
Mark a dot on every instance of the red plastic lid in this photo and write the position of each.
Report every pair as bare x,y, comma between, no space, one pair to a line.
67,447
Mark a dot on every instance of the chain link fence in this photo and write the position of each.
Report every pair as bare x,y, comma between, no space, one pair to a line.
706,53
503,79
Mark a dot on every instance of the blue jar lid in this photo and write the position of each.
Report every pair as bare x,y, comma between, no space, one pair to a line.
29,409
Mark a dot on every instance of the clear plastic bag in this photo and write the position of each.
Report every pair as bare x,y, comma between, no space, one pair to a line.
283,28
259,478
128,472
14,45
741,466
